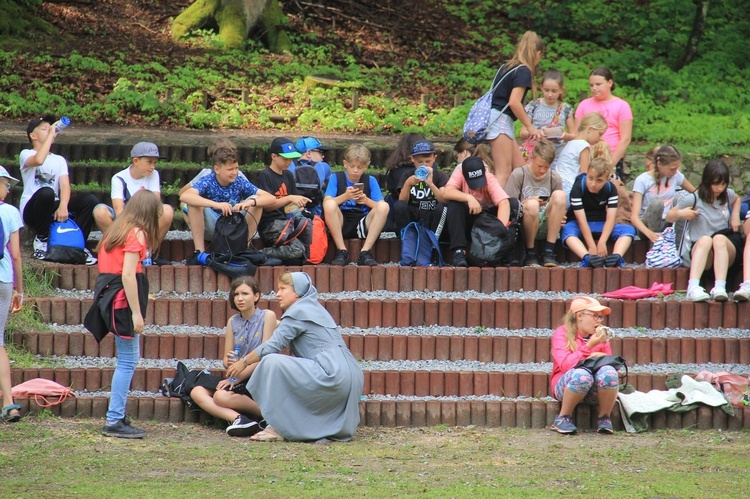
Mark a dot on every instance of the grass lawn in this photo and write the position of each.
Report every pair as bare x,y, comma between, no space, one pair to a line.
52,457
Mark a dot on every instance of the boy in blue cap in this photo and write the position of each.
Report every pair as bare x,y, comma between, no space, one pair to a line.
313,153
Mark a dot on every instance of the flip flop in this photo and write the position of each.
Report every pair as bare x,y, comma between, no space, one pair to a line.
266,436
11,418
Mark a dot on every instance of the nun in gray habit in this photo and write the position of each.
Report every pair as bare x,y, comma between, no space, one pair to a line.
314,395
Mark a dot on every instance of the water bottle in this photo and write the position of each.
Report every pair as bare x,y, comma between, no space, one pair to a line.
235,356
422,172
147,261
61,124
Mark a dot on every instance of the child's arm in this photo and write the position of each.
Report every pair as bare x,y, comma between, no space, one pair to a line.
626,132
583,226
609,224
228,344
685,213
296,199
130,285
734,219
260,198
191,198
451,193
530,108
583,160
503,211
61,214
515,104
570,124
687,185
15,251
403,193
635,218
40,157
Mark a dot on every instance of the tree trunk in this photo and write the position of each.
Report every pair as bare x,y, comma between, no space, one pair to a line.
699,25
235,19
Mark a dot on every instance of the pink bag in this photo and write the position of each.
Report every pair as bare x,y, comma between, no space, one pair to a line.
634,292
734,386
39,389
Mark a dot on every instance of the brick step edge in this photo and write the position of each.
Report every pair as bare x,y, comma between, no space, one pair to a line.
329,279
502,313
533,414
497,349
376,382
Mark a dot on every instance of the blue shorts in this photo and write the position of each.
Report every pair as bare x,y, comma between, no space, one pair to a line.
620,230
111,210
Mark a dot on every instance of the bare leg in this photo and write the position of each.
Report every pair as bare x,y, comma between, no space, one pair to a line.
576,246
530,222
375,222
334,222
253,217
237,401
204,398
198,227
724,255
700,254
555,214
607,400
505,157
102,217
5,383
622,244
570,401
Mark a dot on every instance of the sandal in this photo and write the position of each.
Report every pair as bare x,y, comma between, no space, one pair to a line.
267,436
11,418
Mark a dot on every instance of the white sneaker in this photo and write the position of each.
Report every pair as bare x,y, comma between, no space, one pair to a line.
40,248
719,294
743,294
90,259
698,294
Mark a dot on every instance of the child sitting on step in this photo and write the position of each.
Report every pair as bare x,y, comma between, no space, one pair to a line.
140,175
592,213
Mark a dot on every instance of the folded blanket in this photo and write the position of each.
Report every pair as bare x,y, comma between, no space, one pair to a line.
636,406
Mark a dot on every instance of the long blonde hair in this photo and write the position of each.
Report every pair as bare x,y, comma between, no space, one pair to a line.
526,50
601,150
571,330
142,212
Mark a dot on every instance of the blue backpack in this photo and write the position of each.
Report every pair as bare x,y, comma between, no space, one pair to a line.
65,243
418,245
478,120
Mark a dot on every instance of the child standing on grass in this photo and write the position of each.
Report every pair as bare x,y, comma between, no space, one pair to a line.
46,189
711,235
11,287
593,209
122,249
550,112
354,207
575,156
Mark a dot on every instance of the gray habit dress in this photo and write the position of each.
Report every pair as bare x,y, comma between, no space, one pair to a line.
316,394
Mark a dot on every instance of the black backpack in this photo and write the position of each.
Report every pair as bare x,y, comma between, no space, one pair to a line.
184,381
231,235
308,185
491,240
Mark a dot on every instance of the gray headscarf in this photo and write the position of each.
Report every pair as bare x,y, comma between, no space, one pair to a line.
307,308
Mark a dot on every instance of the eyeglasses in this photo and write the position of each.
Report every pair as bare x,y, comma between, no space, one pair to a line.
317,151
596,317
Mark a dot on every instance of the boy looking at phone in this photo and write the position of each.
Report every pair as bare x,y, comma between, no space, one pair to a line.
354,207
541,194
421,192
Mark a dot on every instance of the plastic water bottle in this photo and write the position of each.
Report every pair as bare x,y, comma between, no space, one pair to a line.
61,124
422,172
235,356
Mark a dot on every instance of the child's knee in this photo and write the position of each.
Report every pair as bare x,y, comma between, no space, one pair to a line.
381,208
102,213
167,213
558,199
531,209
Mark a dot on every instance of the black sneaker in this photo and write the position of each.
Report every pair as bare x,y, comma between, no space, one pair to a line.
122,430
548,259
614,261
341,258
243,426
161,261
530,260
596,261
366,258
193,260
459,258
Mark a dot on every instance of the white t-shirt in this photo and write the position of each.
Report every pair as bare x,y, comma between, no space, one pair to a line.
10,217
46,175
646,185
123,181
568,163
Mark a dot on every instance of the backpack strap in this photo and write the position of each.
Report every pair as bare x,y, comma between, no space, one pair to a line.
511,70
341,183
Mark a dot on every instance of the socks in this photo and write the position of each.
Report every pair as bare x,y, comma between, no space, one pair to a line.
720,285
692,284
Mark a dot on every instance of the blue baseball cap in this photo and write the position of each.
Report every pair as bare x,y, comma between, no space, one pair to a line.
284,148
309,144
422,148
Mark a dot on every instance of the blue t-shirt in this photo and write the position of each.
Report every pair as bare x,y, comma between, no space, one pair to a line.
10,217
333,189
239,190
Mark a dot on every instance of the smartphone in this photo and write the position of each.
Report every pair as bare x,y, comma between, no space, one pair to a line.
359,186
544,198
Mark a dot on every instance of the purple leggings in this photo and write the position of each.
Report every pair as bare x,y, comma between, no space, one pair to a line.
582,381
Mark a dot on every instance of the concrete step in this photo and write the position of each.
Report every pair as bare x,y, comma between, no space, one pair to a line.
488,348
417,309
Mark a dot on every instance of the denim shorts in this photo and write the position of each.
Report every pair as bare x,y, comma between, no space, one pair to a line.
500,124
572,229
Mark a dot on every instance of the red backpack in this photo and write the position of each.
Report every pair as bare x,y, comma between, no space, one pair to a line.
319,245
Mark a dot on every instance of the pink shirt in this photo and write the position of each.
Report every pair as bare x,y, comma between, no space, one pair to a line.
488,197
563,360
614,111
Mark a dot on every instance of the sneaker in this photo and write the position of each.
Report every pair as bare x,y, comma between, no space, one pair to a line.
564,425
585,261
90,259
122,430
40,248
161,261
198,258
614,261
341,258
698,294
596,261
719,294
549,259
459,258
243,426
604,426
530,260
366,258
742,294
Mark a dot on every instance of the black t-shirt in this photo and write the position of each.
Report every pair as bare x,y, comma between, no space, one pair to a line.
421,196
278,185
393,178
521,77
593,205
